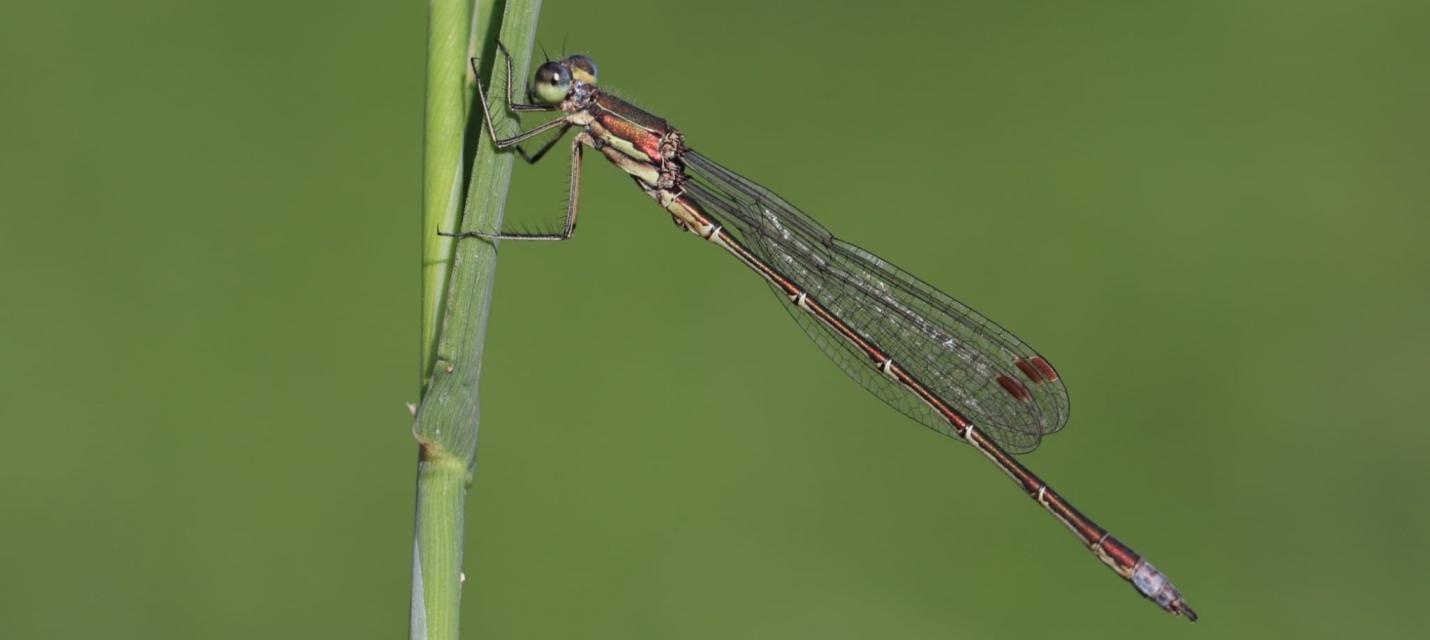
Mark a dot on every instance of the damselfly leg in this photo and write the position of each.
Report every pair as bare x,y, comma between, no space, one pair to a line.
573,202
518,107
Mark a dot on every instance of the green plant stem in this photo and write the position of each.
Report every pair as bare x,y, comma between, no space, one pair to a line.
448,95
447,417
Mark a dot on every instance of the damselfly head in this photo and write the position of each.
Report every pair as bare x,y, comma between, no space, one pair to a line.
555,80
552,82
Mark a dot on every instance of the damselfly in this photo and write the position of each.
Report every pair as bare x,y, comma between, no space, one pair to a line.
916,348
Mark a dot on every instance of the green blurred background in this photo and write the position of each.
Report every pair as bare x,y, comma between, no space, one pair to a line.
1211,216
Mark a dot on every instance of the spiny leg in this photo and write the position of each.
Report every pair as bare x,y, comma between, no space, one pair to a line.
503,143
572,204
516,108
534,158
510,101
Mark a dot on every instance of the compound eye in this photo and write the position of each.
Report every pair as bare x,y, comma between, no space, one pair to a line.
552,83
583,68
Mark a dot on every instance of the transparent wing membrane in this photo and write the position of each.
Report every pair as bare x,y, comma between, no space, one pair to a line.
974,365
